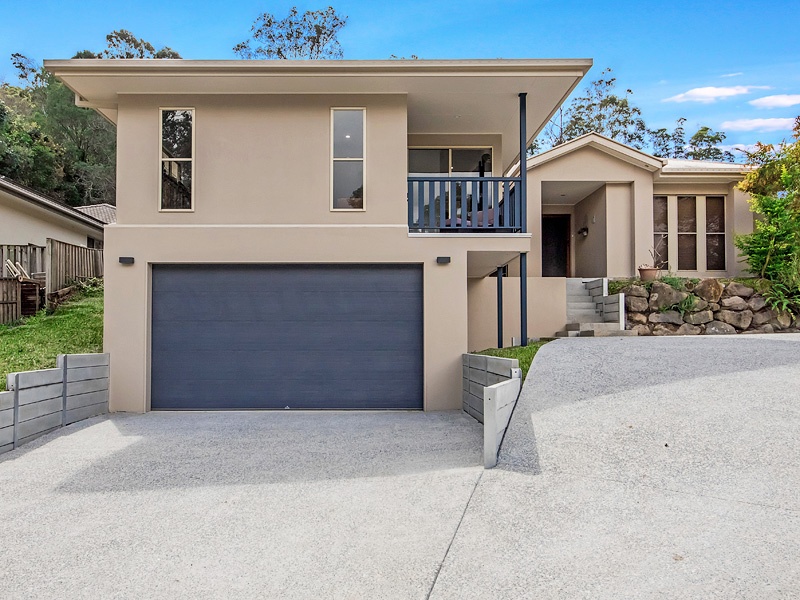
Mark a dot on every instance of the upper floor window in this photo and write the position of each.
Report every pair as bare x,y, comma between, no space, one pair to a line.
347,164
446,162
177,158
689,231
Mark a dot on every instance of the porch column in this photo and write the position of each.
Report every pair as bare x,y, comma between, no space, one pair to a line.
499,307
523,197
523,297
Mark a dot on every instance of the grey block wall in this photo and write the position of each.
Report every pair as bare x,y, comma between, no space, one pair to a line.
40,401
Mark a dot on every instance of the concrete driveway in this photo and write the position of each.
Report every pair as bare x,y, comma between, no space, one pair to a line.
633,468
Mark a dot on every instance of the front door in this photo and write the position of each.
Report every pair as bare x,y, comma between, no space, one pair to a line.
555,245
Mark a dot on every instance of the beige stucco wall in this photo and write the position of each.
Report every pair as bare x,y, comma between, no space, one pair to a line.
127,296
22,223
590,253
262,159
547,309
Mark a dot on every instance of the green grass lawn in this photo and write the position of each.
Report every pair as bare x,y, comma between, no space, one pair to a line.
75,327
523,354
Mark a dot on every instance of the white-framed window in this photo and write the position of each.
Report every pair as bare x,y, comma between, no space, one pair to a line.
689,232
348,164
176,189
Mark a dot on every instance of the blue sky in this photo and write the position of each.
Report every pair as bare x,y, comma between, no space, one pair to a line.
732,65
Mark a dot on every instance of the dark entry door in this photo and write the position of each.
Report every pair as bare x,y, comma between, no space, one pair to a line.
277,336
555,245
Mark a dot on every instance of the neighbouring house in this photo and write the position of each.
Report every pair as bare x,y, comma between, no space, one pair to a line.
103,212
329,234
29,218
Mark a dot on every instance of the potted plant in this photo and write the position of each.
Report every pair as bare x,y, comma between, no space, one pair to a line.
650,272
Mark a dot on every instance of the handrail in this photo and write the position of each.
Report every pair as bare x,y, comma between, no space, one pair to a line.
464,204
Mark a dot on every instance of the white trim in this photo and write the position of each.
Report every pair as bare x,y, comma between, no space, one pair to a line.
363,159
161,159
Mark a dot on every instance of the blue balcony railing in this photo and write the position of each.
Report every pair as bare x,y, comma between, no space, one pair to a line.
464,205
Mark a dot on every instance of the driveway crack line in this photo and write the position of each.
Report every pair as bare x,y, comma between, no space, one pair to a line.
453,539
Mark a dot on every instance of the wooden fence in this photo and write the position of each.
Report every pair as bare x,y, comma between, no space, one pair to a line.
40,401
10,300
64,263
29,256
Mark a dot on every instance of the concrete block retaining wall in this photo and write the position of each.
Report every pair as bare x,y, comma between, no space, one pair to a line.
40,401
490,388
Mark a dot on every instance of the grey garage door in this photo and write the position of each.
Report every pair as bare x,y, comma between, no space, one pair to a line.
277,336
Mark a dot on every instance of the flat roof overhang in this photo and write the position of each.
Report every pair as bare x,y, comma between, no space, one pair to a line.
444,96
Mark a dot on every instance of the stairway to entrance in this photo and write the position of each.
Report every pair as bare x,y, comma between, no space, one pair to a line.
585,314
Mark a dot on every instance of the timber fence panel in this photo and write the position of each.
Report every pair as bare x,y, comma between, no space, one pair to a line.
10,300
66,263
40,401
29,256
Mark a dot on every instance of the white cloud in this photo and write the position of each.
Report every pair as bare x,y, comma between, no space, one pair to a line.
777,101
758,125
732,74
707,95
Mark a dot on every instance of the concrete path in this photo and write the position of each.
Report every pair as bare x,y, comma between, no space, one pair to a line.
642,468
633,468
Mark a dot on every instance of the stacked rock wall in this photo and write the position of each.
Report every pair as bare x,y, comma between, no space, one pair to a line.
711,307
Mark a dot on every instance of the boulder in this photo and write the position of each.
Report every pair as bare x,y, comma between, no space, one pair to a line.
733,303
756,303
699,304
669,316
781,321
713,306
762,317
767,328
664,296
698,318
638,291
687,329
664,329
709,290
734,288
641,329
636,318
739,319
636,303
719,328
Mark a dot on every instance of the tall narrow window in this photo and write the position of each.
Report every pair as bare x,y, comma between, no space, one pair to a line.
177,151
687,233
347,169
660,235
715,233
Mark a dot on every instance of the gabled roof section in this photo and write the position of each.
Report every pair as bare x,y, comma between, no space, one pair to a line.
27,194
105,213
604,144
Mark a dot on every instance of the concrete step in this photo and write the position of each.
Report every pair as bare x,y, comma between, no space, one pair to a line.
602,333
592,326
579,306
578,298
564,334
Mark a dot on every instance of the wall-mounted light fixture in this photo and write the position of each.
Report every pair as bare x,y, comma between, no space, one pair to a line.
584,231
442,260
126,260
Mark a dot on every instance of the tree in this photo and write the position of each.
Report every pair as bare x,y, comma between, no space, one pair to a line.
601,110
772,251
669,144
703,145
123,44
310,35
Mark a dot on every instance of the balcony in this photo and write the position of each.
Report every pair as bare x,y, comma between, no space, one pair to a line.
441,204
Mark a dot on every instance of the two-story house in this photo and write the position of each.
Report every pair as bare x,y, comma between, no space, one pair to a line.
328,234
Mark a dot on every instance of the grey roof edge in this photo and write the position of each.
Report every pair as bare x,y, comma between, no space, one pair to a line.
37,198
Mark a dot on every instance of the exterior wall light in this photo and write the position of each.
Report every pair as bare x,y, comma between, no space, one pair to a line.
442,260
584,231
126,260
